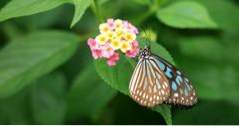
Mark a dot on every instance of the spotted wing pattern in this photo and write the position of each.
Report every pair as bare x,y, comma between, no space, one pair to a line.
182,92
148,85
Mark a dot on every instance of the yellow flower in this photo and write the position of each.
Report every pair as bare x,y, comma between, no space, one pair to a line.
110,34
129,37
104,28
125,46
118,23
119,33
101,39
115,44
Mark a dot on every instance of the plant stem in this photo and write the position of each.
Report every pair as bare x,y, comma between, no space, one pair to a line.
152,9
96,9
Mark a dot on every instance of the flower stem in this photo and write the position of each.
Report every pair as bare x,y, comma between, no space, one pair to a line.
96,9
152,9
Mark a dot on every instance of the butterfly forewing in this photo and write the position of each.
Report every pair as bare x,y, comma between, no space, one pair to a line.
148,85
182,92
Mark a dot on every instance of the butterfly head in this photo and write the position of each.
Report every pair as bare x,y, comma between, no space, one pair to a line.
145,52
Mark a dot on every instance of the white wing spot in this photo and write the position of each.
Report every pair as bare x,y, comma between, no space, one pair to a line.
157,97
137,92
140,93
154,96
150,99
159,93
143,95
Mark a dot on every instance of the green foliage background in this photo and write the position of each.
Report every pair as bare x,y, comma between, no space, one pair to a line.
47,74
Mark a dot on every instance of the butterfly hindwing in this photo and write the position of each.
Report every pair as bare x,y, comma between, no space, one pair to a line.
148,85
182,92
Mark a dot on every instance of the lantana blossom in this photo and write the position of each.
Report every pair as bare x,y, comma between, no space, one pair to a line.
115,36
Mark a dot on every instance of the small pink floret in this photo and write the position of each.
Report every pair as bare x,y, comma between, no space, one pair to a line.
113,59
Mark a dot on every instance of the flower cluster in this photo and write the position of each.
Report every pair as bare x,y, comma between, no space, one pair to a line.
114,35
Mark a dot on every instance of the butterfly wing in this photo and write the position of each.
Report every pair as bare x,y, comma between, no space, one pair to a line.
148,85
182,91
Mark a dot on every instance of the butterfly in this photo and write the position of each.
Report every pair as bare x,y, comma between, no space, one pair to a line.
156,81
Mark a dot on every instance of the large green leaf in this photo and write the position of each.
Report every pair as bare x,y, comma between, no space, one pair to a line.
48,102
186,14
118,76
43,102
219,9
80,7
32,56
88,95
17,8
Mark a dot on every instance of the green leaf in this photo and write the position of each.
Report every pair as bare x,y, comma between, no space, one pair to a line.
88,95
119,76
219,9
165,111
80,7
17,8
16,109
27,58
49,99
208,112
186,14
206,47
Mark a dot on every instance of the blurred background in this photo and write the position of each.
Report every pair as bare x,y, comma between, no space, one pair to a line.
48,81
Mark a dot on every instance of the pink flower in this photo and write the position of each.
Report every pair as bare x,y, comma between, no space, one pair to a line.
134,51
107,51
133,29
96,53
110,23
113,59
135,44
94,47
92,43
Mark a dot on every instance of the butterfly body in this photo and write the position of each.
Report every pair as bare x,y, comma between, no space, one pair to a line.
155,81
